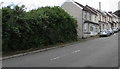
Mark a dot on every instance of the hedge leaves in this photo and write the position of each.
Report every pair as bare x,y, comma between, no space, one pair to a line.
41,27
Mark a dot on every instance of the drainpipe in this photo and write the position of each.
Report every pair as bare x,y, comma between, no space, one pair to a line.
82,24
100,16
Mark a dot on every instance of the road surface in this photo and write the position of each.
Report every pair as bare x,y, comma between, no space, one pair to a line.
100,52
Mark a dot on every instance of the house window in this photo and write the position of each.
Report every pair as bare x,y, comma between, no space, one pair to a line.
90,16
85,15
85,27
95,18
91,28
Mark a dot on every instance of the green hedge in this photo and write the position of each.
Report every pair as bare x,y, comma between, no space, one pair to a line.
36,28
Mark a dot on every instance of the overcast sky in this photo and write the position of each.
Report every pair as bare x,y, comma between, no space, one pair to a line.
107,5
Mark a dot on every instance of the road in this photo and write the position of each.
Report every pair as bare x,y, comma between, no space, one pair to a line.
100,52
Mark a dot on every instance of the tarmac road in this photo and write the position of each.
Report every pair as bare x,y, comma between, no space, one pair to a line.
100,52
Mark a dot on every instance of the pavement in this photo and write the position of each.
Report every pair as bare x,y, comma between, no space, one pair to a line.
100,52
45,49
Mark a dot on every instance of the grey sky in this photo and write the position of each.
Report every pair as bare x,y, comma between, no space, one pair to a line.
107,5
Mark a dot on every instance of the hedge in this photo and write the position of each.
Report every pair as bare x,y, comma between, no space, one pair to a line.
39,27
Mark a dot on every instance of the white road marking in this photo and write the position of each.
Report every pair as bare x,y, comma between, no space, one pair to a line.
55,58
64,55
76,51
59,57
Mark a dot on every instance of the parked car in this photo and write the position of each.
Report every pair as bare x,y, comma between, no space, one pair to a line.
111,31
119,29
105,33
115,29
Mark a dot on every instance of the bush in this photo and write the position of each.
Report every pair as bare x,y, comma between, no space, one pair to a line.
36,28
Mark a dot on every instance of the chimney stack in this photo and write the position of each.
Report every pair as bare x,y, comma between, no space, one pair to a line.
110,12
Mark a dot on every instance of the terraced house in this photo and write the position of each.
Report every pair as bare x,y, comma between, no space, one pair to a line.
109,20
115,20
102,20
90,20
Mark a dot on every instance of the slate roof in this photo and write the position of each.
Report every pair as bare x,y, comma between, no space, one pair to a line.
102,13
109,14
87,8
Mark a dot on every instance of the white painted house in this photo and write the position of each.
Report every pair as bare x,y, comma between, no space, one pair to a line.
90,22
115,20
76,11
109,20
103,24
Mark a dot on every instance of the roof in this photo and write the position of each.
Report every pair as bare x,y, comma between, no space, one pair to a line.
113,15
87,8
90,9
93,9
79,4
102,12
109,14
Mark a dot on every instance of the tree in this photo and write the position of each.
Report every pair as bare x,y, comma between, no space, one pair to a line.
37,28
117,13
11,26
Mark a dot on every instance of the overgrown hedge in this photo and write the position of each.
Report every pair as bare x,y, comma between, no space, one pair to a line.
41,27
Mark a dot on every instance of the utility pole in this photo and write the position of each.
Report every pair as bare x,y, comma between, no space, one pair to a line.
100,9
99,6
119,5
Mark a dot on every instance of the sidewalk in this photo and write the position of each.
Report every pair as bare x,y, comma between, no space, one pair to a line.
41,50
